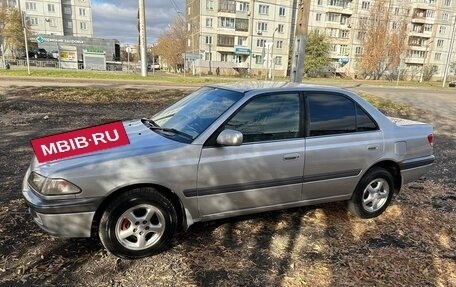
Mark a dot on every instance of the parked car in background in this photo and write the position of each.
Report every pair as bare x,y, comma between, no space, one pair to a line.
452,84
53,55
229,150
38,53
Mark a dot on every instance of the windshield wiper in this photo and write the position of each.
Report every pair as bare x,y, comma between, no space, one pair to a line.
172,130
149,123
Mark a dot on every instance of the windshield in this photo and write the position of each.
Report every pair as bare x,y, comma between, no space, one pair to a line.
195,113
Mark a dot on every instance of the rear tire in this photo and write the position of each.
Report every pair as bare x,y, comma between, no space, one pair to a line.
373,193
139,223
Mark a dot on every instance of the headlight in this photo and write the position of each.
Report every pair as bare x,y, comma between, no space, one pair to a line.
36,181
51,186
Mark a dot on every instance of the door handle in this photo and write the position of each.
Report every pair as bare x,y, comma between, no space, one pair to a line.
290,156
372,147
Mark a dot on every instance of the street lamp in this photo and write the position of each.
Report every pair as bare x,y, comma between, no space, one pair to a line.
272,68
24,25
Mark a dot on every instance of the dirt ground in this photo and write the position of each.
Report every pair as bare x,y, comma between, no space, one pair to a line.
412,244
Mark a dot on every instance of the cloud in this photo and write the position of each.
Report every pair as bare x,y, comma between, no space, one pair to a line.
117,19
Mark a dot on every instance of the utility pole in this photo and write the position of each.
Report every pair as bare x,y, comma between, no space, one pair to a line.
299,47
24,25
450,52
142,37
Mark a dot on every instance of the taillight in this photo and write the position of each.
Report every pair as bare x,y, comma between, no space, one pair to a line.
431,139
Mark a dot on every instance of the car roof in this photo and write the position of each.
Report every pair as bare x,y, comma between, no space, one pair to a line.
264,86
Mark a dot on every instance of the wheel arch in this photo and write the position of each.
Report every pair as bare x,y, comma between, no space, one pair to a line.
168,193
393,168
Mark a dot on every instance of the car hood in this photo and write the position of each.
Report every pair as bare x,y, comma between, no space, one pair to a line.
142,141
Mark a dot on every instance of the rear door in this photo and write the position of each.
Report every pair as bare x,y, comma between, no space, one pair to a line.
266,169
342,141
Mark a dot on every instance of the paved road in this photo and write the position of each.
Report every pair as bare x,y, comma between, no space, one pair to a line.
441,100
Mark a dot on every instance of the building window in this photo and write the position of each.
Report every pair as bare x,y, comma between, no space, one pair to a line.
262,27
447,2
189,42
189,27
51,8
338,3
445,16
332,32
319,2
360,35
209,22
259,59
241,41
430,1
427,27
225,41
227,6
278,60
343,34
33,21
429,14
208,39
30,6
437,56
282,11
226,22
82,12
280,28
264,9
279,44
189,10
343,50
67,10
318,17
242,25
365,5
396,11
358,50
83,25
243,6
52,22
261,42
332,17
442,30
439,43
209,4
69,25
224,57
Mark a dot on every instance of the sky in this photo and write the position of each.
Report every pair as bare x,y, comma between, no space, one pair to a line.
117,19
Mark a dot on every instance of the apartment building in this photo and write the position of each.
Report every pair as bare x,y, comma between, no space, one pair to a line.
57,17
240,36
247,34
429,25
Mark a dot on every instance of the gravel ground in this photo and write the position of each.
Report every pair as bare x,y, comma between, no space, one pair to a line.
411,244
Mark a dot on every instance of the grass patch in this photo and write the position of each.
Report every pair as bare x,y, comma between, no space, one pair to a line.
103,75
104,95
388,107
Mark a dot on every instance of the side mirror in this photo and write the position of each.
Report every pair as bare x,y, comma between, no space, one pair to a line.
230,138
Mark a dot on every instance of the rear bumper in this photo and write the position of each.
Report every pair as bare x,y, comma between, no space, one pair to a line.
412,170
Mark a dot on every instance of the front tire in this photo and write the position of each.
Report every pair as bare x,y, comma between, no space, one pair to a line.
373,193
139,223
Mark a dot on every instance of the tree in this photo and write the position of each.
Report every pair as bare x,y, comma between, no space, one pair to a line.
11,30
383,40
172,44
317,52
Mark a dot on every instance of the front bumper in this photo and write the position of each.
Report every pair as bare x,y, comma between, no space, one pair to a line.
63,217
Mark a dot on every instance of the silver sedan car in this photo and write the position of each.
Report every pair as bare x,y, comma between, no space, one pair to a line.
229,150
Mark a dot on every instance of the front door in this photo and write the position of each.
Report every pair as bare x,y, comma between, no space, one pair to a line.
267,169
